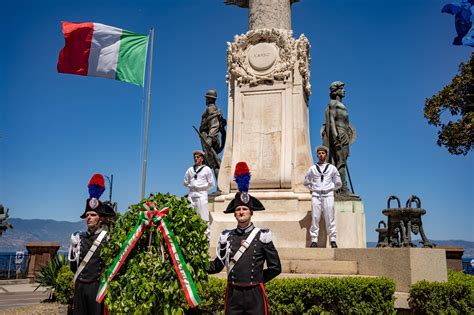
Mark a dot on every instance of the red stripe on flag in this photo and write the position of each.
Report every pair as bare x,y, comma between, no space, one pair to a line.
74,57
175,263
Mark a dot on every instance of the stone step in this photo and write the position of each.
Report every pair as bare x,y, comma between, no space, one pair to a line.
307,253
298,253
319,275
319,267
223,275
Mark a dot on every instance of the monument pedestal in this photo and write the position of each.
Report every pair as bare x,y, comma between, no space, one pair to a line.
405,266
39,254
350,224
288,216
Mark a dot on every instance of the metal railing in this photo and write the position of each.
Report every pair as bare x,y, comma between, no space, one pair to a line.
13,265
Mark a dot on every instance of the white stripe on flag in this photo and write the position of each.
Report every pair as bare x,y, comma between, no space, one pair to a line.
104,52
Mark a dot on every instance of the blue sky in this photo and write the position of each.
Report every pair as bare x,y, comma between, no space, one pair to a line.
57,130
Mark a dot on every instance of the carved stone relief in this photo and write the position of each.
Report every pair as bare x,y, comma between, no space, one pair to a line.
268,55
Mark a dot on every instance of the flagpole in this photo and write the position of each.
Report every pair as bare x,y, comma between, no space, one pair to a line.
147,123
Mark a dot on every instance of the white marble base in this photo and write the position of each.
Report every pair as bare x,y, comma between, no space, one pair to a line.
290,229
350,223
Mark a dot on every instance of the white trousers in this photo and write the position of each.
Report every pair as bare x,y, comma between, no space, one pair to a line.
325,206
200,204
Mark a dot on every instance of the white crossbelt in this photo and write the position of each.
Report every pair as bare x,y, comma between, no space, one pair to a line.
242,249
89,254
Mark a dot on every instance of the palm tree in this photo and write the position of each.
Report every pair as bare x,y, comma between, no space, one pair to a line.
4,225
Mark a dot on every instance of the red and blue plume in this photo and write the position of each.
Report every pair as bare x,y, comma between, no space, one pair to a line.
96,186
242,176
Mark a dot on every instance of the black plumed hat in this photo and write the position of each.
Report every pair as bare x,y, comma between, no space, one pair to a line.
244,199
103,209
96,188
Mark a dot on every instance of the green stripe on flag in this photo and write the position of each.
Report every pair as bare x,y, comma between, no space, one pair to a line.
132,58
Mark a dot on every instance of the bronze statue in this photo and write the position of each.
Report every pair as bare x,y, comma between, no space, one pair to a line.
212,124
337,132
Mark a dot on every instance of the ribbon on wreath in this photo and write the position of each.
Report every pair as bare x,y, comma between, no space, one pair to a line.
148,218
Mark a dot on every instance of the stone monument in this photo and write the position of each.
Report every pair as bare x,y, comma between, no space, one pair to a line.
268,76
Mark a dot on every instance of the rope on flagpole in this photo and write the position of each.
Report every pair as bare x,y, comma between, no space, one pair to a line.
147,120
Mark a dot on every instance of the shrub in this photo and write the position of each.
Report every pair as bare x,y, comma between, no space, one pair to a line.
64,289
348,295
212,297
461,277
47,275
453,297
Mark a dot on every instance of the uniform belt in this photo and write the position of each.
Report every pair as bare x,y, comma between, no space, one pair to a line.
88,281
197,189
244,285
322,192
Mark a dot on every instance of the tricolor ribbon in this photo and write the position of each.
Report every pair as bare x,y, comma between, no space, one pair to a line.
147,218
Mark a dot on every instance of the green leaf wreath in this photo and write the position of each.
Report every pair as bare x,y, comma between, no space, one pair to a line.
147,283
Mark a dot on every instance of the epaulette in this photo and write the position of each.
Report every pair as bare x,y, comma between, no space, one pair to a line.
265,236
223,237
75,247
76,237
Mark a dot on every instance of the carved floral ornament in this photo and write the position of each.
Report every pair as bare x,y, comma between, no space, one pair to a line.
290,52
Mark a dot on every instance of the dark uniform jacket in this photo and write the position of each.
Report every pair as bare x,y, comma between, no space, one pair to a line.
92,271
249,268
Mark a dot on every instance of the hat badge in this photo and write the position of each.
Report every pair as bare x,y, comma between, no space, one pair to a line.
244,197
93,203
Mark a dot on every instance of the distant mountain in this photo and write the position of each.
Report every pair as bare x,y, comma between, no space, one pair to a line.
26,231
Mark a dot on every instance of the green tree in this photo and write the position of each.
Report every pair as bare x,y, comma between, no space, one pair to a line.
4,225
457,135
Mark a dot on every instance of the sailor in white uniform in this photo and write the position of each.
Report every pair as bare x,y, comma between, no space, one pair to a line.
199,179
322,179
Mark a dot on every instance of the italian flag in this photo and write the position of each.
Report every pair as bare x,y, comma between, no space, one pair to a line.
98,50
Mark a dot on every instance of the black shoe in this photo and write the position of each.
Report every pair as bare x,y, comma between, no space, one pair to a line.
333,244
313,245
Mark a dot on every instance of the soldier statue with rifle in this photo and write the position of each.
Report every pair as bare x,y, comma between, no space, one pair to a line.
212,124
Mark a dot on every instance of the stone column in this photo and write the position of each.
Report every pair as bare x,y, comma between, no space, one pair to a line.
269,14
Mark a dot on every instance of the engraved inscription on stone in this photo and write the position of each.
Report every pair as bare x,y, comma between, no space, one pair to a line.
262,56
261,132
